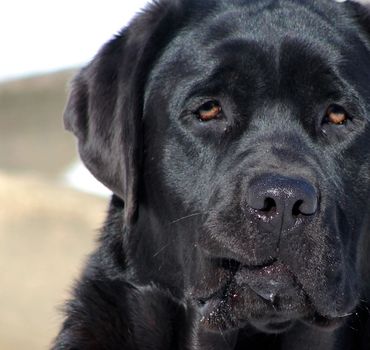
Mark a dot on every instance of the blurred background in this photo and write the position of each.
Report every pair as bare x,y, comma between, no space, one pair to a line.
50,208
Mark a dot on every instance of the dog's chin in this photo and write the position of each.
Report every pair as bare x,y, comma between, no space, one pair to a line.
244,301
276,326
218,316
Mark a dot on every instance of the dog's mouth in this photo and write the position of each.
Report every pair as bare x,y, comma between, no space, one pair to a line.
267,297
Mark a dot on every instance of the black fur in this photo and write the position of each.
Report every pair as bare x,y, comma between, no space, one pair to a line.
185,261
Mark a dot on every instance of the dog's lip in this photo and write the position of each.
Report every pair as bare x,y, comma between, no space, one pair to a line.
211,304
236,269
210,317
274,326
325,322
234,265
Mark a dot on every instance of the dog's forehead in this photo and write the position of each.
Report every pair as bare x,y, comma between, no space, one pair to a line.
198,50
267,23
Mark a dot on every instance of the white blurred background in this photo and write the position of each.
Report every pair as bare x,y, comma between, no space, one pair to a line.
39,36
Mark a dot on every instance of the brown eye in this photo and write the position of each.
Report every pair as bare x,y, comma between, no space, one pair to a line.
209,110
336,115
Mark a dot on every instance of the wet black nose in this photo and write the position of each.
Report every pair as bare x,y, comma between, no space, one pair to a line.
282,200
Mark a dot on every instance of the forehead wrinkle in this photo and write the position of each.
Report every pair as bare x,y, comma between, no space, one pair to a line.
270,21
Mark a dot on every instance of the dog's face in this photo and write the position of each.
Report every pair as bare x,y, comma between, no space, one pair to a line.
254,156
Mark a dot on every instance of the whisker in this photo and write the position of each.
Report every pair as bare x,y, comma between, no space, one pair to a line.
222,334
185,217
160,250
346,315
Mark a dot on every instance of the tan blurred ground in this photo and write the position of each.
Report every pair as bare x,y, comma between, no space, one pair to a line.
31,127
45,233
46,229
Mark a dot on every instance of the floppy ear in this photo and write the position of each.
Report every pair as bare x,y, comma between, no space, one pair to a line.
104,117
106,101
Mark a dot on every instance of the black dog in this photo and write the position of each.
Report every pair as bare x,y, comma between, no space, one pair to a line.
235,137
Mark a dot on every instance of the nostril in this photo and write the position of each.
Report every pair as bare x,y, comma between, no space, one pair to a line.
309,205
304,208
269,206
296,208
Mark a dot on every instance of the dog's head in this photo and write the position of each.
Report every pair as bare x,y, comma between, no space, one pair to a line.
236,133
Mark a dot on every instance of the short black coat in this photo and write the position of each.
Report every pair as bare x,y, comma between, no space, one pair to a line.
178,236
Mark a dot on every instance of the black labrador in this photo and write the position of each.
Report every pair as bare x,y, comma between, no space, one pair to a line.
235,137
